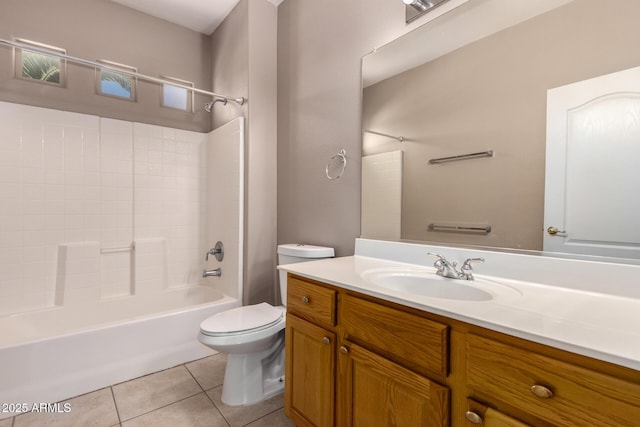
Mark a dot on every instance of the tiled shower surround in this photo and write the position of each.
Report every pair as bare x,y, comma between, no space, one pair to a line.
78,192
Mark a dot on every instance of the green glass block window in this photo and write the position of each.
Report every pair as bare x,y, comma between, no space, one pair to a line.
177,97
112,83
38,66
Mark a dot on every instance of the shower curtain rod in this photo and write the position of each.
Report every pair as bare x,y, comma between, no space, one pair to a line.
93,64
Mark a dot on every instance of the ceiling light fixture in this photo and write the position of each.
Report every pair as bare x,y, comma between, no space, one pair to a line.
417,8
419,5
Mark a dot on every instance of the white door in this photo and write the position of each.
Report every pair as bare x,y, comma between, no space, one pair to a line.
592,184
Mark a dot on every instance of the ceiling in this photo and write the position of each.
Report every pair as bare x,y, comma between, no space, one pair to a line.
202,16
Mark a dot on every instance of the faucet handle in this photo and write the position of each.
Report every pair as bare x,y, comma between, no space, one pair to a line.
439,261
468,261
466,269
217,251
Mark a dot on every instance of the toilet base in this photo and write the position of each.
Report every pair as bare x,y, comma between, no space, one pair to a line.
252,377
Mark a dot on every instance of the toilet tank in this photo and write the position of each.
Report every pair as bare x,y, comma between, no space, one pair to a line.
295,252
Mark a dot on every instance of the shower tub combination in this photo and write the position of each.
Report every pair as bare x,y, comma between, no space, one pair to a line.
45,357
106,311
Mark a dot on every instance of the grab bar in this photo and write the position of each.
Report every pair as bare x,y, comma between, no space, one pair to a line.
488,153
118,249
440,227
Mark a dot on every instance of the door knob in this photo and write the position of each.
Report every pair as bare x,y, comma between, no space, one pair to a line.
555,232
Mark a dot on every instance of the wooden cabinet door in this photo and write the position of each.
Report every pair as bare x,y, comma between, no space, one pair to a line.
310,373
374,391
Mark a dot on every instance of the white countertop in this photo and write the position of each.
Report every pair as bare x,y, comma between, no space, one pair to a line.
599,325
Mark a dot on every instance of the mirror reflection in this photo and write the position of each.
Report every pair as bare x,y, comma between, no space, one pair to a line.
474,81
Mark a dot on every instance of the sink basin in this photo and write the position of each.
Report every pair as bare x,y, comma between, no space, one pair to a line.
427,283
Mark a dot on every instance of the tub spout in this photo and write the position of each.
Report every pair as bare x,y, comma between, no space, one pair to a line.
216,272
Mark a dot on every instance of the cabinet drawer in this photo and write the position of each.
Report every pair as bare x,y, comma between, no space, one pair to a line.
311,301
413,341
549,389
479,415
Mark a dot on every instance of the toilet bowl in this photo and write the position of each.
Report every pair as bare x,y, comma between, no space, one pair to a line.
253,338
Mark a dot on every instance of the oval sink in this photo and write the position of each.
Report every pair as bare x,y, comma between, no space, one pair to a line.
429,284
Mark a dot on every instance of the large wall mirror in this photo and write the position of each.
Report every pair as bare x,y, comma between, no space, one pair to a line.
475,81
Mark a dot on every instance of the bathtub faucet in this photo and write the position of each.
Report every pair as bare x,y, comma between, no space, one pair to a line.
216,272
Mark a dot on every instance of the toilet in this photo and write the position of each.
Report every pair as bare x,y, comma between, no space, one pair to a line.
253,338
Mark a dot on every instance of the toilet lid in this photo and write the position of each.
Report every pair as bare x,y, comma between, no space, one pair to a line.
241,319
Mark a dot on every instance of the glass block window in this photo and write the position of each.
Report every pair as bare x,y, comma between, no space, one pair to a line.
112,83
40,67
177,97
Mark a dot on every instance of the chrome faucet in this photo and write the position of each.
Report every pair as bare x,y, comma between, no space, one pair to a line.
450,270
216,272
445,268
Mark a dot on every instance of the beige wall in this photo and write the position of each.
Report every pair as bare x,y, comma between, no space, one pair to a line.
244,63
492,95
320,44
102,29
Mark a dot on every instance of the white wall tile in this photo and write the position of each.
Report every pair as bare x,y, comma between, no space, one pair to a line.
9,157
68,178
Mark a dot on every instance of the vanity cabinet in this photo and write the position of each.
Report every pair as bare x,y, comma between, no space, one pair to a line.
355,360
349,374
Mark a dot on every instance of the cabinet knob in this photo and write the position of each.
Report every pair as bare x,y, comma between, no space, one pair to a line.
305,299
326,340
344,350
473,417
541,391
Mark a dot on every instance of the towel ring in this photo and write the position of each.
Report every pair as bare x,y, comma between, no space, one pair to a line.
336,165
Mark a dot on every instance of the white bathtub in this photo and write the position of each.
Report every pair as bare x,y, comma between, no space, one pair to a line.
57,353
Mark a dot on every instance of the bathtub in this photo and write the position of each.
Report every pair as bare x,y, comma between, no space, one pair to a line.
56,353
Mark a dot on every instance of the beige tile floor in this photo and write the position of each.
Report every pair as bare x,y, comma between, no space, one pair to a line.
188,395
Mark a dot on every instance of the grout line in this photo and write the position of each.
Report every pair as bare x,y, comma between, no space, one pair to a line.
164,406
216,406
120,420
264,416
115,404
145,375
194,378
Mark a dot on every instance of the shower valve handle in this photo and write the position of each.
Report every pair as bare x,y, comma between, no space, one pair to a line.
217,251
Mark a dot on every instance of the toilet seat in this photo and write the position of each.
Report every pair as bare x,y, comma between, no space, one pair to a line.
242,320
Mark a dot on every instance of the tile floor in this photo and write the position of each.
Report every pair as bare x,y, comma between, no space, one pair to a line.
188,395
